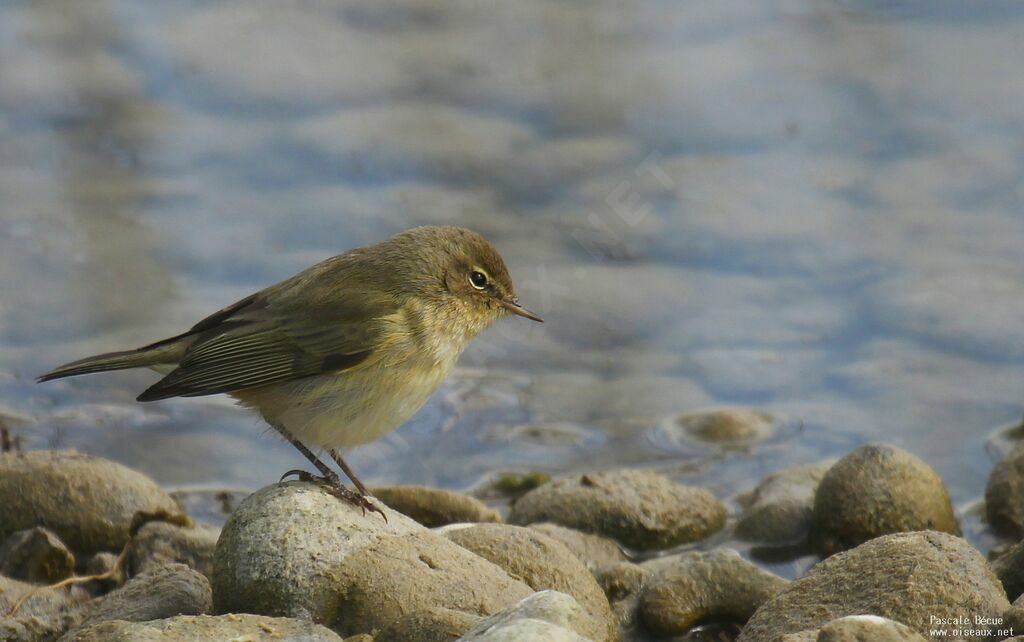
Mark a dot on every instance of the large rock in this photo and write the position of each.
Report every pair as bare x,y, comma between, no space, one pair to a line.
780,510
906,577
543,563
207,628
548,616
296,550
87,501
1004,494
434,507
716,585
876,490
638,508
855,628
36,555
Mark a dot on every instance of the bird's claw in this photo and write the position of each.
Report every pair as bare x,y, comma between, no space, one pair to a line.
333,484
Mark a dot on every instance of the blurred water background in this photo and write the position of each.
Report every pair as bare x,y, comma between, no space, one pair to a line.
813,209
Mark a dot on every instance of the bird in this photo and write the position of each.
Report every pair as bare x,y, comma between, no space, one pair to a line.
341,353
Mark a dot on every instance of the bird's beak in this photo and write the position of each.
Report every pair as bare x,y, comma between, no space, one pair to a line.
512,305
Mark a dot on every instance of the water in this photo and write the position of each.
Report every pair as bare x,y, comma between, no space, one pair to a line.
812,209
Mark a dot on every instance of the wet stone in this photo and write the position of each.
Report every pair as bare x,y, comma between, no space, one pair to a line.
543,563
640,509
726,426
36,555
906,577
208,628
1009,568
694,587
1004,494
434,507
296,550
876,490
780,510
622,580
87,501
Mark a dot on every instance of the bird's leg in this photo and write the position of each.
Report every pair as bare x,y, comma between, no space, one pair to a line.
327,477
348,471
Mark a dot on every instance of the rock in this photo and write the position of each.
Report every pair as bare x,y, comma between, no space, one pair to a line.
543,563
876,490
207,628
431,625
906,577
621,580
87,501
36,555
1009,568
780,510
638,508
294,549
593,550
43,616
548,616
696,586
1004,494
159,543
160,592
854,628
727,426
510,485
434,507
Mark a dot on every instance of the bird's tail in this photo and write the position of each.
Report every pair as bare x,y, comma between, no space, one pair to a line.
140,358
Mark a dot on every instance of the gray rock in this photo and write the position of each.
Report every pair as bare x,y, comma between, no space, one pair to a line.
1004,494
159,543
235,627
638,508
36,555
907,577
543,563
593,550
696,586
1009,568
160,592
434,507
547,616
296,550
43,616
87,501
876,490
781,509
857,628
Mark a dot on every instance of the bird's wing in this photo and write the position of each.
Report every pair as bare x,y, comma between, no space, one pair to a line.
268,338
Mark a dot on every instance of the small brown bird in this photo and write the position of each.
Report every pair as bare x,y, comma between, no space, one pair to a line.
343,352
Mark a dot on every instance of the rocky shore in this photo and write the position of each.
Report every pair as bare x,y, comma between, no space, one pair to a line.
93,551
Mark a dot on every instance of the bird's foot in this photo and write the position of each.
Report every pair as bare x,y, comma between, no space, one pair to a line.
333,483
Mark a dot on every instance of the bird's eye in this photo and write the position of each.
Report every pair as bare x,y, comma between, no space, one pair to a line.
478,279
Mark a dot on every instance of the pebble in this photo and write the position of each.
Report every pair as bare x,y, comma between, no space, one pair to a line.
780,510
159,543
87,501
547,616
36,555
435,507
640,509
543,563
906,577
876,490
697,586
